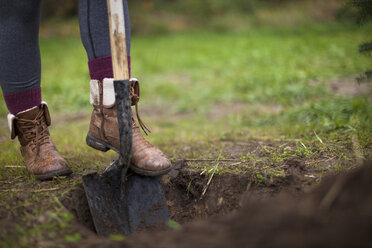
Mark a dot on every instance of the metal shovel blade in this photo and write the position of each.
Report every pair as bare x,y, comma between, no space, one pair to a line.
104,195
124,209
146,205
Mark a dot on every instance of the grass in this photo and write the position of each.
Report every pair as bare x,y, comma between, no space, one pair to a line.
258,97
198,86
194,70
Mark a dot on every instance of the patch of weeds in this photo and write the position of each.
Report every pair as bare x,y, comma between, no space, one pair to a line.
337,167
72,238
280,155
117,237
173,224
276,173
303,151
261,177
248,158
192,154
339,115
188,188
63,219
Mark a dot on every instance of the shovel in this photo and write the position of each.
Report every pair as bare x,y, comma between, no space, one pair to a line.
122,202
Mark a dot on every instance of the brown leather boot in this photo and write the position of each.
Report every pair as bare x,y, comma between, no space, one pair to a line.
39,153
103,132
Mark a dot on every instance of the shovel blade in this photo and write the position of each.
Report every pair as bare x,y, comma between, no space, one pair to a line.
106,206
147,206
117,208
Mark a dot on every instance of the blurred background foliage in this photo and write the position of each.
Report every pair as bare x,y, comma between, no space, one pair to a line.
162,16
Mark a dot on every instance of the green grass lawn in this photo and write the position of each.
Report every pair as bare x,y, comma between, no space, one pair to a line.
189,73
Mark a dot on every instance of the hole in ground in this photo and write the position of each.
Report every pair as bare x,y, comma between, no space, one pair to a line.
183,188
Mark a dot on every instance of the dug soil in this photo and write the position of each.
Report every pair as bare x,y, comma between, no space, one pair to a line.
236,210
195,195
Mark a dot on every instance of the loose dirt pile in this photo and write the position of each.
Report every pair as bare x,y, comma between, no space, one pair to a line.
338,213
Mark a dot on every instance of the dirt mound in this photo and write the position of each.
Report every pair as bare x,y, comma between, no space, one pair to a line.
338,213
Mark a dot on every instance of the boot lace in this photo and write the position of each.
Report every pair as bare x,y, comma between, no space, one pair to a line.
34,131
134,94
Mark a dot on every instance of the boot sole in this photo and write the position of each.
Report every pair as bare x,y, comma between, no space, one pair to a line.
50,175
104,147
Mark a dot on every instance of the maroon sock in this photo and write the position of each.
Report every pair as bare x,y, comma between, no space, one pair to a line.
101,68
21,101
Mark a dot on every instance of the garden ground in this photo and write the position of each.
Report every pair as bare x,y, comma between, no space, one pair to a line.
261,112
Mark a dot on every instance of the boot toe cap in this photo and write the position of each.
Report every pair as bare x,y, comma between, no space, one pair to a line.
157,163
57,167
152,166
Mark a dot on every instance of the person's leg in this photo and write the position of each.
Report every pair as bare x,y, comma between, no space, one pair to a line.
94,31
103,131
20,65
20,69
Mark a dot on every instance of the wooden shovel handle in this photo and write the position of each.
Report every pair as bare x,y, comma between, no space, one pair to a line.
117,39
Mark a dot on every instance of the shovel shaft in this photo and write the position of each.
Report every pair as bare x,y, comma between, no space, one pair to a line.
123,107
115,10
117,39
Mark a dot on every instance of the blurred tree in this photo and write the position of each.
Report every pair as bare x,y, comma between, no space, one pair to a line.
68,8
364,14
364,8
